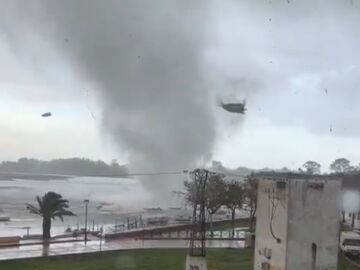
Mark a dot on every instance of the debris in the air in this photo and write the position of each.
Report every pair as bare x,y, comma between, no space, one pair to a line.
325,90
234,107
270,19
90,111
331,128
48,114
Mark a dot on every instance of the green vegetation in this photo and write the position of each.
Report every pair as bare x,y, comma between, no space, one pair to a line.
227,224
69,166
345,264
345,227
233,195
155,259
151,259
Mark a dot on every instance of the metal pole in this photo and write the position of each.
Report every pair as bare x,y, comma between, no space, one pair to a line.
86,213
101,236
100,241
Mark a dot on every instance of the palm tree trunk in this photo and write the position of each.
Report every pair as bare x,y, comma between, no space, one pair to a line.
233,222
46,228
45,249
211,226
352,220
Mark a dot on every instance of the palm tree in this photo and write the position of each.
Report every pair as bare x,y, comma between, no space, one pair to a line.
51,205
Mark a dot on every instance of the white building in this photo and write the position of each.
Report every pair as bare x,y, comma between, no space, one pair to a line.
297,224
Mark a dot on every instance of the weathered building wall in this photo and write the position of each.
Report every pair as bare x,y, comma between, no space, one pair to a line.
313,225
264,241
195,263
304,215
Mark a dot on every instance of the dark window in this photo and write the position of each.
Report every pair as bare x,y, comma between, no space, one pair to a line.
313,255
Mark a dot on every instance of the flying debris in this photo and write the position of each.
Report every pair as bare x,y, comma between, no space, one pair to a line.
234,107
48,114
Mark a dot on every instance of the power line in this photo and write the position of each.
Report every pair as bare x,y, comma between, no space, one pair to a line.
174,173
154,173
231,174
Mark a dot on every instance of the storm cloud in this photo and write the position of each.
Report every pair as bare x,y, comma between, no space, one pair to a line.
159,67
146,61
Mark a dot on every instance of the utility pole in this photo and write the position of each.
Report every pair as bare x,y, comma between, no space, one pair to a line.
101,240
86,202
197,248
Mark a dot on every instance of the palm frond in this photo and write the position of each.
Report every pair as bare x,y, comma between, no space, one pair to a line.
51,205
33,210
61,213
40,203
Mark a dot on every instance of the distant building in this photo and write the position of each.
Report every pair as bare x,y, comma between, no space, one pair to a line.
230,174
297,224
216,165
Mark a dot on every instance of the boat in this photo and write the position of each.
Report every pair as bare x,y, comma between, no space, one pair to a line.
183,220
153,209
4,218
174,208
157,221
32,236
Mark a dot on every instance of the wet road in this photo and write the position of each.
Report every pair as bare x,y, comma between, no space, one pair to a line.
95,246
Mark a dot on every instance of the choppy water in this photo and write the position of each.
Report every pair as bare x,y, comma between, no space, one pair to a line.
118,198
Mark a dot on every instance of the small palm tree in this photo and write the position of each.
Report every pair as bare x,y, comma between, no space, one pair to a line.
51,205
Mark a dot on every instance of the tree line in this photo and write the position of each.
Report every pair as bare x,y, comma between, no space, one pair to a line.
70,166
340,165
233,195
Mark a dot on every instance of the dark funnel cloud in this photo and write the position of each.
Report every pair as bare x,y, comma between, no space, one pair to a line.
145,58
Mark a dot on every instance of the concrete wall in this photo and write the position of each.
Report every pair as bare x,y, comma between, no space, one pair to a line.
313,219
195,263
306,218
264,239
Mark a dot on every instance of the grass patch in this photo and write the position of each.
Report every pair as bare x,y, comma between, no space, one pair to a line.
345,227
227,225
150,259
344,264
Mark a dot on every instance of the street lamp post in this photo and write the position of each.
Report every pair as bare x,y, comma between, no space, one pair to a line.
86,202
27,228
101,236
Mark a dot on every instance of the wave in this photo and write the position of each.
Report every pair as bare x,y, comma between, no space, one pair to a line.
22,219
13,188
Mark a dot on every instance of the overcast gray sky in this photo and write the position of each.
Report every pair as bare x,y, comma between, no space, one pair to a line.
296,63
